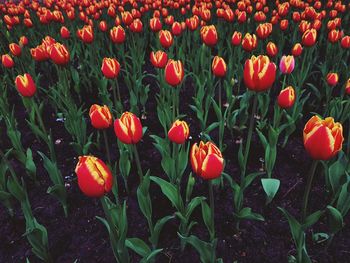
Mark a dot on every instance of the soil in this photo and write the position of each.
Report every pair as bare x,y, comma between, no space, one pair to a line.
82,237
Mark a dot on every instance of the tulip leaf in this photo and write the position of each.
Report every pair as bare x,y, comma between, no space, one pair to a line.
246,213
335,219
138,245
250,178
158,228
30,165
312,219
336,172
294,225
270,186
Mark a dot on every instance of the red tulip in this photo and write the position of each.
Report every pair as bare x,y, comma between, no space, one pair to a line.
259,73
249,42
65,32
209,35
94,177
176,29
100,116
332,79
165,38
347,87
309,37
323,139
297,50
271,49
155,24
206,160
15,49
179,132
286,98
25,85
110,68
117,35
174,72
128,128
39,53
23,40
218,66
159,59
236,38
136,26
345,42
7,61
86,34
59,54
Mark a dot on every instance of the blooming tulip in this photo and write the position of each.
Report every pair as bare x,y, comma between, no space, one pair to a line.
128,128
206,160
309,37
100,116
159,59
219,66
249,42
94,177
323,138
259,73
86,34
179,132
117,34
209,35
59,54
165,38
25,85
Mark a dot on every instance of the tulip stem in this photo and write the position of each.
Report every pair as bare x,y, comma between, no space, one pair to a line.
212,208
107,146
250,133
284,81
138,163
37,112
310,177
220,94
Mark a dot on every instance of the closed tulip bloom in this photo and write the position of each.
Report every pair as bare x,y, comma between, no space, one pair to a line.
155,24
7,61
159,59
297,50
100,116
334,35
286,98
287,64
236,38
15,49
259,73
179,132
128,128
65,34
219,66
110,68
136,26
209,35
165,38
117,34
39,53
249,42
25,85
174,72
176,29
345,42
271,49
23,40
332,79
103,26
206,160
347,87
323,139
59,54
86,34
94,177
309,37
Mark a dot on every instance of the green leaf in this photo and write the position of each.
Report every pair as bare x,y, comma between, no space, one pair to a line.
250,178
138,246
336,172
246,213
30,165
294,226
312,219
270,186
158,228
335,219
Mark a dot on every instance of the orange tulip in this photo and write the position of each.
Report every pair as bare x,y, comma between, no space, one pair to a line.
25,85
94,177
128,128
179,132
100,116
206,160
259,73
323,139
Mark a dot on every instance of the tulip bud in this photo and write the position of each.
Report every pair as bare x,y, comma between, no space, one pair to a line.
271,49
159,59
100,116
7,61
218,66
128,128
332,79
15,49
65,34
179,132
23,40
94,177
25,85
297,50
287,64
259,73
165,38
174,72
206,160
286,98
345,42
102,26
110,68
323,139
209,35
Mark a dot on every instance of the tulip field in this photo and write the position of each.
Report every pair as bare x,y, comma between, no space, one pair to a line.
177,131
